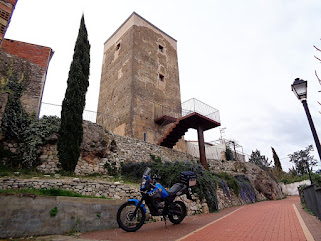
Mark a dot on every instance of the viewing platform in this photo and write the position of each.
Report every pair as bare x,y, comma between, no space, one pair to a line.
195,114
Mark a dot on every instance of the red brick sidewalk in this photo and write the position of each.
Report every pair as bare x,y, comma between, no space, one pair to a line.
271,220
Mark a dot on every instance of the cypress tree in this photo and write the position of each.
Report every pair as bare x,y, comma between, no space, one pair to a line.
71,130
276,159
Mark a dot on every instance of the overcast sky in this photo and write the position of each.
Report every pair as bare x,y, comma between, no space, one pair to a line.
240,57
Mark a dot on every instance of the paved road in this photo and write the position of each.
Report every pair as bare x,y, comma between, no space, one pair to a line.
270,220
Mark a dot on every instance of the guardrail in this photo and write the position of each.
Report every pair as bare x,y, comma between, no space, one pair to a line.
188,107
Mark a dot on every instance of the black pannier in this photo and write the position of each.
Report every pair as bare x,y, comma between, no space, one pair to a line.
189,178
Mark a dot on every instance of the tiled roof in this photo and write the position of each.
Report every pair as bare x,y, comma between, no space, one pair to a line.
37,54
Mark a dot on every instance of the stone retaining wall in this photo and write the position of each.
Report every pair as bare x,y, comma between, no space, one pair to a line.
117,190
114,190
25,215
101,149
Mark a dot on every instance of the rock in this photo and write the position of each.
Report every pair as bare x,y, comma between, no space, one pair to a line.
95,142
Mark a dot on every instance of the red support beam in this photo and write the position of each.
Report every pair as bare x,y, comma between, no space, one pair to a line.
201,146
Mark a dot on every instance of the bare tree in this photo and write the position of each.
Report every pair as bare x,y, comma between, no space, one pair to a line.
316,74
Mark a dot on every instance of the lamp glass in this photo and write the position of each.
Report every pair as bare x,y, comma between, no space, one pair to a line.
299,87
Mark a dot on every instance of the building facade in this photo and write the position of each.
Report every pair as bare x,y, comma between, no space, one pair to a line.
6,11
31,62
139,81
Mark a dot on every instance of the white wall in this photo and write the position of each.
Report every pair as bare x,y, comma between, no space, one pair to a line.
292,189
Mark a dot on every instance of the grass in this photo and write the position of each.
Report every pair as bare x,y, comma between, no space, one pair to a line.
47,192
28,174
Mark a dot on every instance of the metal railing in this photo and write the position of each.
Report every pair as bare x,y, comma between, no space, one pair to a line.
195,105
188,107
55,110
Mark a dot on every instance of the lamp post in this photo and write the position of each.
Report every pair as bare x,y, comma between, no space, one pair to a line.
299,88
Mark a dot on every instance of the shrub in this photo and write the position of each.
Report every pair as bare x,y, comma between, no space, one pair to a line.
246,188
15,119
229,154
230,181
35,136
53,212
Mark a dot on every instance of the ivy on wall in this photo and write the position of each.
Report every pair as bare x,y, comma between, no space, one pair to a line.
18,126
15,119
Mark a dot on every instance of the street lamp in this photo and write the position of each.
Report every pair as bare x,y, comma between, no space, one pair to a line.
299,88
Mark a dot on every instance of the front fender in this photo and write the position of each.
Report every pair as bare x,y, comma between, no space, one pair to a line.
136,201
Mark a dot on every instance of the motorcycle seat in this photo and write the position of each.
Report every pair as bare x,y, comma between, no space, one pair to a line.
175,189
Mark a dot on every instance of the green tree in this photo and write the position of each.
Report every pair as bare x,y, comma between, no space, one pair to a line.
259,160
276,159
71,130
15,119
303,161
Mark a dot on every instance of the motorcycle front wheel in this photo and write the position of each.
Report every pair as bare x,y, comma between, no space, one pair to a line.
126,218
178,213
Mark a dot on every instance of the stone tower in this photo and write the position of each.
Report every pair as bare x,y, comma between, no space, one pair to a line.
139,85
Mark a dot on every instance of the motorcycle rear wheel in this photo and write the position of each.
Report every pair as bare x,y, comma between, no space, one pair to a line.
178,218
127,221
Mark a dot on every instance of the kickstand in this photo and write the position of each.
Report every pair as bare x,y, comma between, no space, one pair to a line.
165,221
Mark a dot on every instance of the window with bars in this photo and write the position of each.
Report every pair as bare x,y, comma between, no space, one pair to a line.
5,15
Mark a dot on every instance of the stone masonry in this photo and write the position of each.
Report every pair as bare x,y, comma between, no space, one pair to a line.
29,63
139,81
115,190
101,148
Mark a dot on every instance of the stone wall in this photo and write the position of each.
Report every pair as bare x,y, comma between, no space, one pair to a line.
97,188
32,77
87,187
27,215
292,188
117,190
101,148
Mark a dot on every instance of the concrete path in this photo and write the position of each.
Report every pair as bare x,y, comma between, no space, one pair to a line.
270,220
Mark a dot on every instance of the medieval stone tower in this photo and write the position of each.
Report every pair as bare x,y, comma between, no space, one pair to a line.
139,87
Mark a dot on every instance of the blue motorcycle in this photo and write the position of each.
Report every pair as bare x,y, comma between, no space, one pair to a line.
131,215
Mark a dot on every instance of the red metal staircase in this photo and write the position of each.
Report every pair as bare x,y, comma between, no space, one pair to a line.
178,129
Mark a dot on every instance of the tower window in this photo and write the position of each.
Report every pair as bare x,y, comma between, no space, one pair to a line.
144,136
4,15
160,48
2,28
160,77
118,46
